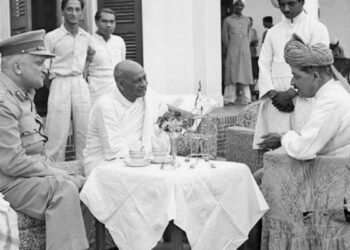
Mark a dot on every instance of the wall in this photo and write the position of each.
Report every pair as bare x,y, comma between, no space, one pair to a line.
335,15
182,44
4,19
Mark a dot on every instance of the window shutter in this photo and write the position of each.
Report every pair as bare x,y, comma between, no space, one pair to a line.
21,16
129,25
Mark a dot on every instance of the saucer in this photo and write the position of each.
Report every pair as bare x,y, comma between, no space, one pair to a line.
165,159
142,163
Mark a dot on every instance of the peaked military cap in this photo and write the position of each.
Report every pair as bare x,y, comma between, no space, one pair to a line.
31,42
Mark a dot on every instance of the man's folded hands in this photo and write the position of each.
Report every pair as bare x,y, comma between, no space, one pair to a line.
283,100
270,141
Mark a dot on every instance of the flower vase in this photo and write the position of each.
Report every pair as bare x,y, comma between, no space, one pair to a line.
173,145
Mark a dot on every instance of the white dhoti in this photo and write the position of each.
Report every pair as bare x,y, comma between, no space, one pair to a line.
230,93
69,98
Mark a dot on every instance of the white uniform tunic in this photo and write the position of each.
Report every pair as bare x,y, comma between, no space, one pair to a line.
327,131
69,92
275,73
108,54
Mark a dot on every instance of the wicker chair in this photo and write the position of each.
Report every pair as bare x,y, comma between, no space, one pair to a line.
239,139
32,231
306,200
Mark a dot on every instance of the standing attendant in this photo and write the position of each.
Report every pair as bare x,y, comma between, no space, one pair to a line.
238,67
253,39
268,24
69,93
278,98
110,50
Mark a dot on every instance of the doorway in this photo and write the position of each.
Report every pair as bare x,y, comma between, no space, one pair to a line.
43,17
226,10
33,15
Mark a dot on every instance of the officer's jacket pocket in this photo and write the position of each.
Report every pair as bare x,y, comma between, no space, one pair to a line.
32,140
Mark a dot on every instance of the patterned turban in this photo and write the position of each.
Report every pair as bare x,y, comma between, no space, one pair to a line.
235,1
299,54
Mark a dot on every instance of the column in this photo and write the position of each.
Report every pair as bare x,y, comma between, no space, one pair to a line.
182,46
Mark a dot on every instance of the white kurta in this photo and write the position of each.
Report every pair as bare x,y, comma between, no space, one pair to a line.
114,121
327,131
108,54
275,73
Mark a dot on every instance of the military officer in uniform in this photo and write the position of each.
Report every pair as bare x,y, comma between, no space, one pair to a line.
28,178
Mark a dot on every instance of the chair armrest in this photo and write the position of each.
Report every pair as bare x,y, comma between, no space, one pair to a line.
239,142
313,185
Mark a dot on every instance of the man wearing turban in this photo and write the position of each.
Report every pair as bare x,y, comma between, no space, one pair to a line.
278,99
327,130
238,66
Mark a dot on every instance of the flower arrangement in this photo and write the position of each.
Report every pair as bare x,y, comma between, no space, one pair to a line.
174,122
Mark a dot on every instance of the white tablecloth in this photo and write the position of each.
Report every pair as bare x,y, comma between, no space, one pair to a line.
9,237
216,207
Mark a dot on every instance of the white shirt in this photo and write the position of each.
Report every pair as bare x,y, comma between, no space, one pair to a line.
108,54
114,121
327,131
70,51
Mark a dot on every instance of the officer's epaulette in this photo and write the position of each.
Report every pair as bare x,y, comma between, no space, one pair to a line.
20,96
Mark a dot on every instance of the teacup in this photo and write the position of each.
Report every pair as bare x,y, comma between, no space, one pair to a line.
137,156
159,154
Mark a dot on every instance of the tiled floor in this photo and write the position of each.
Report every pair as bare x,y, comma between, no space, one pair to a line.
227,110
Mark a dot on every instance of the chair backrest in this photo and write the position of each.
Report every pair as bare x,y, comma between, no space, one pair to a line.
248,116
306,196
